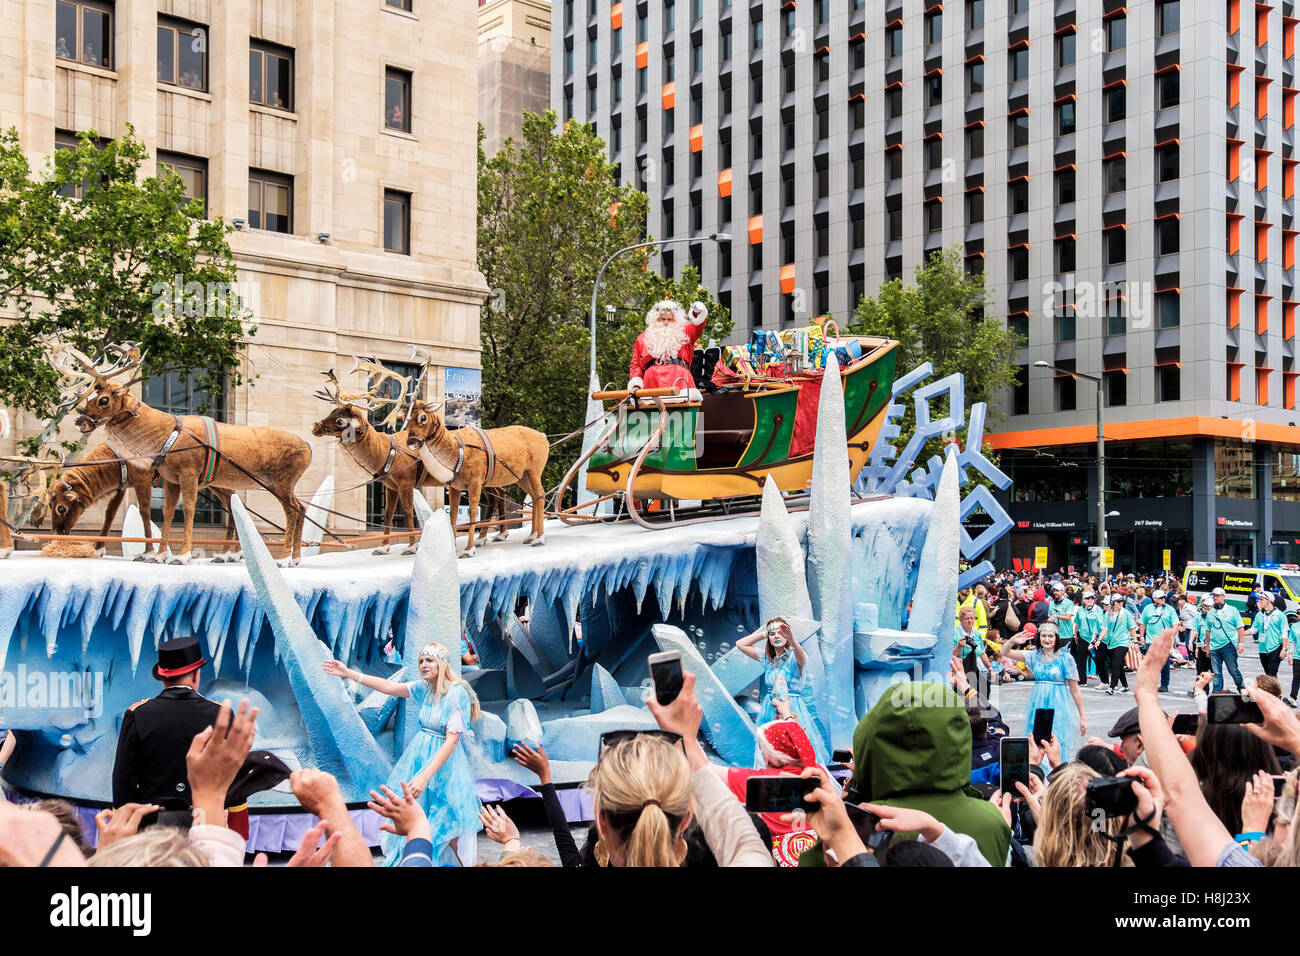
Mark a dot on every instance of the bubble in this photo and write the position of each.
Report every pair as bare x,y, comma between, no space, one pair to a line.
65,740
710,657
740,629
724,647
754,694
703,646
717,728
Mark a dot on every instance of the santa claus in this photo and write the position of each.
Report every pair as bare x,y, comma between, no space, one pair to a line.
663,352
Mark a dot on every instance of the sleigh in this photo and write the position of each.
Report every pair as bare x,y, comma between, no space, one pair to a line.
656,450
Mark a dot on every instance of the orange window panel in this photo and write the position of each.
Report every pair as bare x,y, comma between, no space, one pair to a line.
616,16
670,95
1288,320
1261,242
755,229
724,182
1234,16
1234,86
1288,38
1288,389
1261,385
1234,308
1261,26
643,55
787,279
1261,98
1288,249
1288,178
1234,381
1234,161
1234,234
1261,169
697,138
1261,314
1288,109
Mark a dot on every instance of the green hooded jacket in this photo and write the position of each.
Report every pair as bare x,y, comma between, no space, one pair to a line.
913,749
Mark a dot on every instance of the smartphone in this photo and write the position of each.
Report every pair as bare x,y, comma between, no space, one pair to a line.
1233,709
1187,724
181,819
1043,724
778,794
842,756
864,821
1013,764
1113,795
666,672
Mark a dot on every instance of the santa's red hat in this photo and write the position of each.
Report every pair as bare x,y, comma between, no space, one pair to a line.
784,744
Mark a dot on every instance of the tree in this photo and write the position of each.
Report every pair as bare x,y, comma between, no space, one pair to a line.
550,212
91,253
940,319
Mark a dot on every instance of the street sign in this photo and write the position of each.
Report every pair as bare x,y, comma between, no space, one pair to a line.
1167,559
1108,557
1040,557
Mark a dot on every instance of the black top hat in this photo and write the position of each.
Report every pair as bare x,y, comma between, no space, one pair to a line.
177,658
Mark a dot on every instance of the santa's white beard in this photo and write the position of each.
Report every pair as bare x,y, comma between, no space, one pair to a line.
664,341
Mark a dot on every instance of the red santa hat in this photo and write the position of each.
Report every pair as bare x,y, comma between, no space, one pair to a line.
783,743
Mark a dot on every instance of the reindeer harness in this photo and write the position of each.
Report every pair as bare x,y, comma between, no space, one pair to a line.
486,449
420,471
211,440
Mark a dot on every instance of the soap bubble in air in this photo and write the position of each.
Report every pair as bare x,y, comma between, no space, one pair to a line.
703,646
740,629
65,740
724,647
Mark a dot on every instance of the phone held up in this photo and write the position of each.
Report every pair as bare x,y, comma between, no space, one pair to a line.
1013,764
864,821
1043,718
1186,724
666,672
783,793
1232,709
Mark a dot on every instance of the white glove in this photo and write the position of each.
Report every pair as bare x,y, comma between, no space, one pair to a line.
698,313
693,395
635,383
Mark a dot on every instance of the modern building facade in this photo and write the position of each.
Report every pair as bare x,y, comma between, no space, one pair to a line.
338,138
1122,173
514,66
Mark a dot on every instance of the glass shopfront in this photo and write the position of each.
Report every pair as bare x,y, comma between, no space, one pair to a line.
1234,470
1237,547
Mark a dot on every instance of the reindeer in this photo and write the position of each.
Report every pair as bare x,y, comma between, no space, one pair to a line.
471,459
190,452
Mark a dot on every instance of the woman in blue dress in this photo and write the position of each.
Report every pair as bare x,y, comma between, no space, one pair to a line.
1056,687
434,763
783,664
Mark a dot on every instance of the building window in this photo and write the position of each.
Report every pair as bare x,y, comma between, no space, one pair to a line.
1065,118
933,154
933,217
1167,236
934,90
397,99
270,201
670,67
1116,241
893,164
616,89
857,114
756,32
974,78
183,54
974,14
975,142
642,28
894,102
1018,264
270,76
858,58
1168,88
1067,393
787,23
1167,309
1065,50
1065,186
1168,386
1167,17
1116,34
934,28
1065,260
670,16
1065,327
1018,197
858,173
755,305
724,46
397,222
83,31
1116,103
406,5
756,144
1018,131
1116,388
822,67
1016,7
1114,174
1017,324
1018,64
756,89
894,41
756,257
895,225
1020,392
857,233
1166,162
697,57
974,207
192,171
1116,319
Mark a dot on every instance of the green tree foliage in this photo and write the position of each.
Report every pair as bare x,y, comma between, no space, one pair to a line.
550,212
92,253
940,319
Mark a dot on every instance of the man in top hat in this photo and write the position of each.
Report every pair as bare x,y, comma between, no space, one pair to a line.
157,732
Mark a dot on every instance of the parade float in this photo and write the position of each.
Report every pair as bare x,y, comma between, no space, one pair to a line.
849,538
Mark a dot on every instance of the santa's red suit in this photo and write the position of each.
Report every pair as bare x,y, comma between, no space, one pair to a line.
662,355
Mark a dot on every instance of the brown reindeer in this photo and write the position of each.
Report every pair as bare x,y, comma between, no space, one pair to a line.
383,456
241,457
460,461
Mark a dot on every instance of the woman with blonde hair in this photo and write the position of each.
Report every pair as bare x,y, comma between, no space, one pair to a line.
641,790
783,663
1067,835
434,764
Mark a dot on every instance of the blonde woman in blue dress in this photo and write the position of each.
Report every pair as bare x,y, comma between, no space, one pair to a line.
434,764
783,663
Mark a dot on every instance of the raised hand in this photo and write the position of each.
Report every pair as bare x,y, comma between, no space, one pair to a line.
534,760
114,825
406,817
1257,803
498,825
308,853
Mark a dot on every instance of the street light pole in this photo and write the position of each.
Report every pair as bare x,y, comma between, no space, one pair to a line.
1101,450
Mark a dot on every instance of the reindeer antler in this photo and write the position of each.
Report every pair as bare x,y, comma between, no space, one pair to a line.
84,374
330,391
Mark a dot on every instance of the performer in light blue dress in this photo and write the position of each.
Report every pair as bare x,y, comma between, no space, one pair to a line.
783,663
434,763
1056,687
